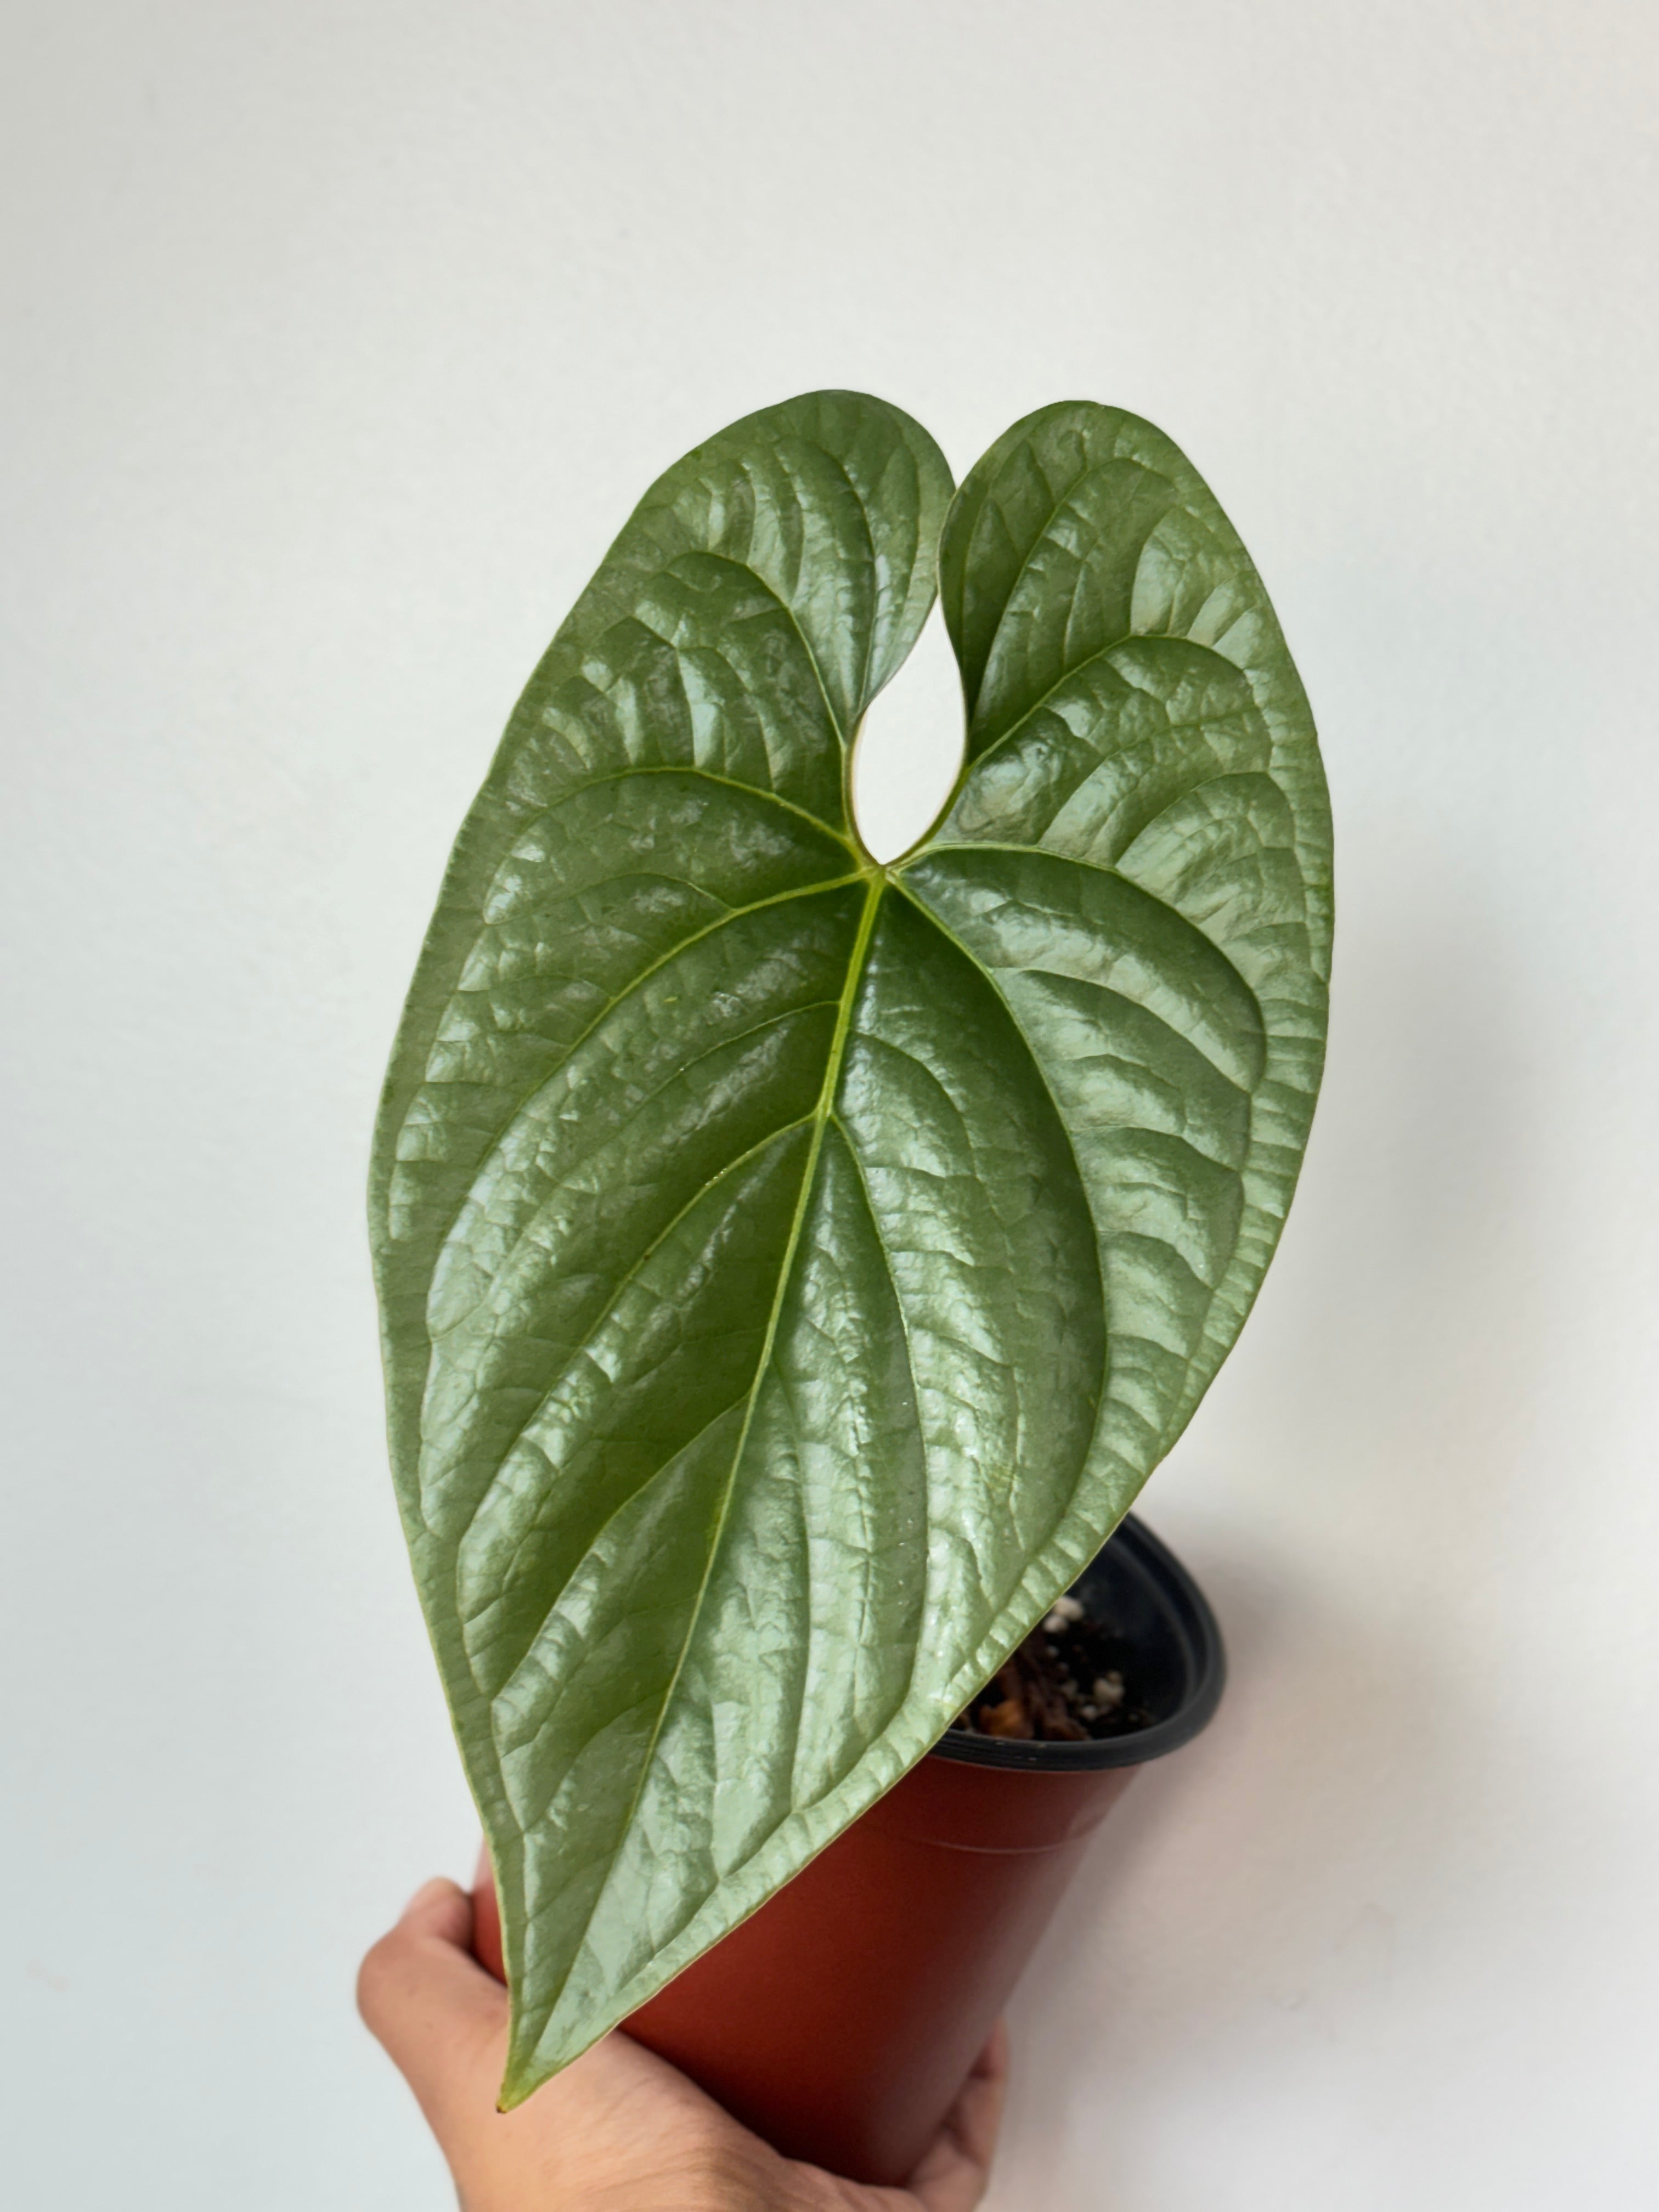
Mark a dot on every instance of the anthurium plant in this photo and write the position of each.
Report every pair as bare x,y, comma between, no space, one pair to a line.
792,1265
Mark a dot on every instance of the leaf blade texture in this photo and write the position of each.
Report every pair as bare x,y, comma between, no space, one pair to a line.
791,1267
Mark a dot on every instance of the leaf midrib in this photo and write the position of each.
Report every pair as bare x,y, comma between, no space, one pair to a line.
876,879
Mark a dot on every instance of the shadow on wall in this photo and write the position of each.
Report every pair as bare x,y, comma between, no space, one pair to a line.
1259,1897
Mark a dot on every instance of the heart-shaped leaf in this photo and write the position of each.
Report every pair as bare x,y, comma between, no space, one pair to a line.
791,1265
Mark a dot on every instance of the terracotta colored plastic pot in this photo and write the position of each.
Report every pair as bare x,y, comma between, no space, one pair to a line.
840,2019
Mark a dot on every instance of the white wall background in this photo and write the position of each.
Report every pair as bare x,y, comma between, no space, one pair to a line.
341,338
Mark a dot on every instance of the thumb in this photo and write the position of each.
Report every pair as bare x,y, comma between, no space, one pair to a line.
442,2019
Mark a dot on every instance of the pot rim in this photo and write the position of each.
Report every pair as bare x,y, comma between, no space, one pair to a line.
1189,1620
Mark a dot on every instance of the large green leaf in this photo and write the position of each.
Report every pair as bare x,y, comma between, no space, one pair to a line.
791,1267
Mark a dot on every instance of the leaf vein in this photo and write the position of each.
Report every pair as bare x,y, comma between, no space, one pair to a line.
832,1069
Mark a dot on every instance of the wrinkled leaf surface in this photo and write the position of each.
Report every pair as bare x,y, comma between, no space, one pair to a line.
791,1267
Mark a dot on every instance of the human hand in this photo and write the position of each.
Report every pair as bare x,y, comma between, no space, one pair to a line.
620,2130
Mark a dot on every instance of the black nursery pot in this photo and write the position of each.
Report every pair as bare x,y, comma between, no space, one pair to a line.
840,2020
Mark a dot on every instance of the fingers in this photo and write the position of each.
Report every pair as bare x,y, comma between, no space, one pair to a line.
440,1908
951,2177
991,2064
440,2017
976,2119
